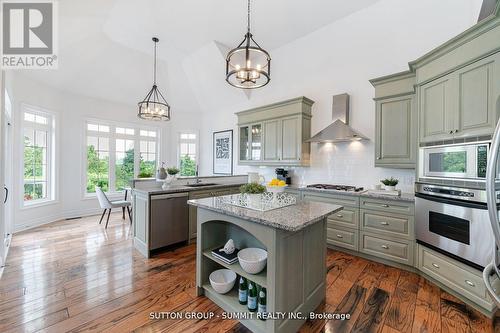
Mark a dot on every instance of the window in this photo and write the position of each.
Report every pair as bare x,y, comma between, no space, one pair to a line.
38,131
187,154
113,158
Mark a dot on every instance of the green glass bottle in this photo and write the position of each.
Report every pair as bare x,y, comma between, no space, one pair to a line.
252,296
262,306
243,290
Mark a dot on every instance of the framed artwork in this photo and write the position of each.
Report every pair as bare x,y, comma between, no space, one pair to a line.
223,153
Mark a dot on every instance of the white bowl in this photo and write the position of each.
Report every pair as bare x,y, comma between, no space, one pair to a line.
275,189
222,280
252,259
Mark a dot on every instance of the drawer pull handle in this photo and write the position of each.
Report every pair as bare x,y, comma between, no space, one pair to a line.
384,223
470,283
340,215
385,206
385,247
435,265
340,236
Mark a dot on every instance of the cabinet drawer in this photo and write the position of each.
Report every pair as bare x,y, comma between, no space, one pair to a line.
347,217
389,206
387,248
386,223
451,273
343,200
342,237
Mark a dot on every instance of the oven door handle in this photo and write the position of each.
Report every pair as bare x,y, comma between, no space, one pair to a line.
490,186
468,204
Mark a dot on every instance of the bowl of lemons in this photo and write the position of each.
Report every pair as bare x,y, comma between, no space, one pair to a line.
276,186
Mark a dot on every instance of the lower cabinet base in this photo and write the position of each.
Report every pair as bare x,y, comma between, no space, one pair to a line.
482,304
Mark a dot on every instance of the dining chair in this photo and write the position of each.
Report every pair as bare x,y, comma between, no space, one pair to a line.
107,205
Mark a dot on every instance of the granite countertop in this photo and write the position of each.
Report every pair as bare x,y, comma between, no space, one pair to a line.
290,218
407,197
183,188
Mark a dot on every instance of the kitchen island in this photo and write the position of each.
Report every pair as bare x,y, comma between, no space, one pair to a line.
295,240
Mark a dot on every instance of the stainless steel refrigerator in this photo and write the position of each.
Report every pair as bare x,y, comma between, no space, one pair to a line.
492,187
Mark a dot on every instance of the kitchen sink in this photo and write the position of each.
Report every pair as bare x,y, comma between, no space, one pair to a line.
201,184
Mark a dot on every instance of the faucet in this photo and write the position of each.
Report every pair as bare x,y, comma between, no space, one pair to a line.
197,180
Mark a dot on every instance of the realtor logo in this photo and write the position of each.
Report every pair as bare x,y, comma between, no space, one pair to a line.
28,34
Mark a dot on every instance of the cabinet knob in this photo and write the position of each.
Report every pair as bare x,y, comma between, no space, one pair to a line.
340,236
340,215
378,158
435,265
385,206
456,131
384,223
385,247
470,283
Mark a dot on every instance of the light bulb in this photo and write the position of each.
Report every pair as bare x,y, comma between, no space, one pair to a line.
248,63
259,67
237,67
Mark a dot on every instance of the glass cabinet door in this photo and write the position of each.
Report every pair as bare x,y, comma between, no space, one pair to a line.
244,143
256,142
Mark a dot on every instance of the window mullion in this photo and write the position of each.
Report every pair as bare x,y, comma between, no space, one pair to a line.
112,163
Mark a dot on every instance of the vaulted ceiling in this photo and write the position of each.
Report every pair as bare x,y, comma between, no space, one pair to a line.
105,47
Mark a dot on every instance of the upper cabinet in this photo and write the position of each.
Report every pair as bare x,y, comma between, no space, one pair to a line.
395,121
275,134
461,104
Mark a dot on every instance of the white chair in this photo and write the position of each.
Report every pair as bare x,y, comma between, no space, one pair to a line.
107,204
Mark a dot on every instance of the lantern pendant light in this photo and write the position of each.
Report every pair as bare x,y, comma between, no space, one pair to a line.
154,106
248,66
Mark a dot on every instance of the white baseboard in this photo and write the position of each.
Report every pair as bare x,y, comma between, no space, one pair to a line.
33,223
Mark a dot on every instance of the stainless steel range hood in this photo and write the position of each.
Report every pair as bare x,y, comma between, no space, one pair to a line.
339,130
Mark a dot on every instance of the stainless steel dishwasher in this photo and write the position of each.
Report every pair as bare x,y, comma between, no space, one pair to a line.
169,219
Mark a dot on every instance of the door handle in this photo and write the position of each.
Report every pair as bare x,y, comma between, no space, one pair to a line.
384,223
456,131
340,215
385,206
340,236
6,194
435,265
385,247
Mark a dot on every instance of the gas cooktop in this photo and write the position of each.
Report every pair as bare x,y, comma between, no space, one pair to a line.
345,188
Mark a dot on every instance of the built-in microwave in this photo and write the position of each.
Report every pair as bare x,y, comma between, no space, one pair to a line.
464,161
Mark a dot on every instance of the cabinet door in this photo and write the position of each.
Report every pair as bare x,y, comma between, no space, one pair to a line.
256,142
436,110
395,139
477,112
244,149
290,139
271,140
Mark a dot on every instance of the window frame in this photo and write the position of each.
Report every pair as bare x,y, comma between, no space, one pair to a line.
195,141
113,136
52,154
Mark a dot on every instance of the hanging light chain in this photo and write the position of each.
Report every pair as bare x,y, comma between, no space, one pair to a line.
154,66
248,17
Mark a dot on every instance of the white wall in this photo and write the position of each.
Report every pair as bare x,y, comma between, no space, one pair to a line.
72,111
338,58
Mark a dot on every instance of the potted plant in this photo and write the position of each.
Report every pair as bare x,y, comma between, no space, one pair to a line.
173,171
253,191
145,174
390,183
162,173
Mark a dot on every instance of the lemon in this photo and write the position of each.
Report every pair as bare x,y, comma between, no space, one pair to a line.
281,183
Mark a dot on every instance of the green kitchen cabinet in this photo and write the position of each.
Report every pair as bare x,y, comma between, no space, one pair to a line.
276,134
272,130
437,109
478,90
395,132
461,104
395,121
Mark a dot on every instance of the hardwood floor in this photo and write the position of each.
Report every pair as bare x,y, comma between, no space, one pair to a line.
74,276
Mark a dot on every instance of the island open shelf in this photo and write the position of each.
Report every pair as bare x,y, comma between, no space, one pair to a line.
295,276
260,279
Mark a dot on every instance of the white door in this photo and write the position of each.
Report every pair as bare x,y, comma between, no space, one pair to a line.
2,163
8,167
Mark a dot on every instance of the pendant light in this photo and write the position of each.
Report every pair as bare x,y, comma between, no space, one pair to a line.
248,66
154,106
